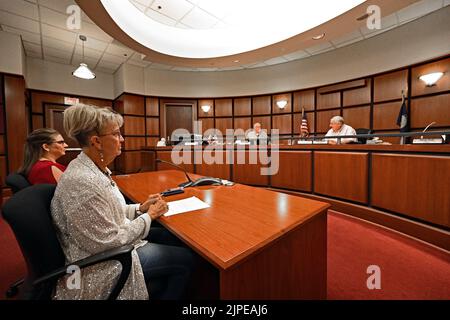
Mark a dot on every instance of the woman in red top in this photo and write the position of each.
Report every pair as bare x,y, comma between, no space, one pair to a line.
42,148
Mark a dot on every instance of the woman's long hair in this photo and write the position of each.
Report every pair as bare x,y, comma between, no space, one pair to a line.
33,149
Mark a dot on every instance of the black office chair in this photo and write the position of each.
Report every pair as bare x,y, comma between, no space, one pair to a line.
16,182
28,214
363,131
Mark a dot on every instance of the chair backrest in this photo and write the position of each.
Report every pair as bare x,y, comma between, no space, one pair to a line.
28,214
363,131
16,182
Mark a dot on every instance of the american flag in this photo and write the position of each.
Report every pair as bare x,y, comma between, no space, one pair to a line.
304,130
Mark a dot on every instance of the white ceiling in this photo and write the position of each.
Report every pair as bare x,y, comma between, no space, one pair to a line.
42,27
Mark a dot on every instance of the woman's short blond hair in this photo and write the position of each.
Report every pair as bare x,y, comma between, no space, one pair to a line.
82,120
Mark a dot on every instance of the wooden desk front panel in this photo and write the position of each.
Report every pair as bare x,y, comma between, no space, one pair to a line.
167,156
217,170
249,173
415,185
294,171
294,267
341,174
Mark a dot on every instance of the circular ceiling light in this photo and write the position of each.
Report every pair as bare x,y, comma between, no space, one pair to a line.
255,25
319,36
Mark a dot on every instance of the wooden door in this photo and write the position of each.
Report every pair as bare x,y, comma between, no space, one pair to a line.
178,117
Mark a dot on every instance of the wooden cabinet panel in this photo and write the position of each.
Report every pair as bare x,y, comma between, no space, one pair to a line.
130,104
304,99
38,99
243,124
129,162
247,168
385,116
222,124
152,126
207,124
205,102
224,107
133,126
294,170
96,102
265,122
37,121
342,175
3,171
2,144
323,120
280,97
416,186
358,96
242,107
212,163
16,120
357,117
186,163
328,100
282,123
389,86
429,109
418,87
298,122
152,141
261,105
133,143
152,106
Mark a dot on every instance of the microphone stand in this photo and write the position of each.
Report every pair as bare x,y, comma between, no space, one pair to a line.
184,184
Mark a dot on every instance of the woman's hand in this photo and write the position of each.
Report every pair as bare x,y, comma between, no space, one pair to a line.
152,199
158,209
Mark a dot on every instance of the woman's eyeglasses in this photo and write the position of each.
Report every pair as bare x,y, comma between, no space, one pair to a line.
116,134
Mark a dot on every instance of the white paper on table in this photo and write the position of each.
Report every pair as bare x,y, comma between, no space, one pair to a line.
185,205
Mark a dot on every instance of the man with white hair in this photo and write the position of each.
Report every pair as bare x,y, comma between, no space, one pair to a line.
257,134
339,128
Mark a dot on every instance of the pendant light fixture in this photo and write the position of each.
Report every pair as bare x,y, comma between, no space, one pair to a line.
83,71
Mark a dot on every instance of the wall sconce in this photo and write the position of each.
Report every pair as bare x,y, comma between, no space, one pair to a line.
206,108
281,104
431,78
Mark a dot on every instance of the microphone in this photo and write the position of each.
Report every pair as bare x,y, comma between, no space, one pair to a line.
184,184
426,128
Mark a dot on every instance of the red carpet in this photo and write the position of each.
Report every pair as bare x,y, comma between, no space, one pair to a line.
12,264
409,269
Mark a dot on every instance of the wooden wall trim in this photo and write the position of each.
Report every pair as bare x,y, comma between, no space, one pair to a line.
343,86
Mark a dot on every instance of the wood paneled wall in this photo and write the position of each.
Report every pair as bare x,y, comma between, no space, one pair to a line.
15,112
372,102
141,128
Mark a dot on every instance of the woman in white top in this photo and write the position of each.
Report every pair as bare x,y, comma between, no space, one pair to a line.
339,128
91,216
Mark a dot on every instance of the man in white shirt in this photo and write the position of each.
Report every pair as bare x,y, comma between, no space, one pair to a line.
257,133
338,128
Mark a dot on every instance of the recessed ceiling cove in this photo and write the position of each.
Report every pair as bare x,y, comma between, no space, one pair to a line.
241,26
226,33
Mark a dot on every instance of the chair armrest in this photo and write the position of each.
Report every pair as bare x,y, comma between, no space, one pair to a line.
121,254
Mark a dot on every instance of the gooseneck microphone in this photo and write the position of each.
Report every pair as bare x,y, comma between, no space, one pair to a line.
184,184
426,128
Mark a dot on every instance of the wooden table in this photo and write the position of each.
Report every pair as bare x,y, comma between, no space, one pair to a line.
254,243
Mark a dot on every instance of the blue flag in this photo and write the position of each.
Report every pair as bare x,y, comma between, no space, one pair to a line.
402,120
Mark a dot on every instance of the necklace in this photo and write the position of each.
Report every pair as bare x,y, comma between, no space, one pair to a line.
109,177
